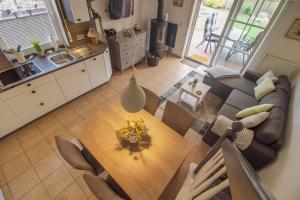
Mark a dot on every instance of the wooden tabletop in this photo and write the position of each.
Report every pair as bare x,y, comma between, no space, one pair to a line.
142,175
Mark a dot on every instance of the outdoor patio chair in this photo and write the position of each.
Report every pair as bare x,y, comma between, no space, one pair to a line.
209,28
243,46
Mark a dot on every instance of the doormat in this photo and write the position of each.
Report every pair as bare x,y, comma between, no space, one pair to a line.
206,111
200,58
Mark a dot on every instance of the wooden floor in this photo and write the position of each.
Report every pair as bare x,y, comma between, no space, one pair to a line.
32,169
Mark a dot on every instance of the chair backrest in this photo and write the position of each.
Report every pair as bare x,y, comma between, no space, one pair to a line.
100,188
152,101
177,118
225,168
207,28
72,154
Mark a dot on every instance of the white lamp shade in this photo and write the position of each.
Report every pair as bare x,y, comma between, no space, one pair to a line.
133,97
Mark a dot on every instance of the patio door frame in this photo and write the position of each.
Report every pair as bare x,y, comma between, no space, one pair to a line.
227,28
194,22
233,13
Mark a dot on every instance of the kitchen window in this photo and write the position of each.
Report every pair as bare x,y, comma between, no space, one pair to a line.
23,21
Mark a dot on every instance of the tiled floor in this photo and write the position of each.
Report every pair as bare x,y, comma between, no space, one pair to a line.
31,167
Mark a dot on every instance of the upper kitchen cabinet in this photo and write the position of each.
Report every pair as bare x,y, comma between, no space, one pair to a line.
76,10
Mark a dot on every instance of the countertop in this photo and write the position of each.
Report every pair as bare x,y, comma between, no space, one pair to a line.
80,54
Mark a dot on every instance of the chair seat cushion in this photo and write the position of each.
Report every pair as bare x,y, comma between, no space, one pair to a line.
241,100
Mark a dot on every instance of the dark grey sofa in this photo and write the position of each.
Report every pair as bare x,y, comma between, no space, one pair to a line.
239,94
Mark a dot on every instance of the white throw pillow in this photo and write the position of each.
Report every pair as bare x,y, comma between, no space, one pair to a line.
268,74
254,120
218,72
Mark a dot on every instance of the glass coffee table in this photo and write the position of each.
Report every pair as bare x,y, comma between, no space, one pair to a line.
193,94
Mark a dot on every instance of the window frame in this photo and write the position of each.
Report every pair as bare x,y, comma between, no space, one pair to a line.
57,26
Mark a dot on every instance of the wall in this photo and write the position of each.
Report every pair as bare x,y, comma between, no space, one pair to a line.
143,10
182,16
282,176
276,43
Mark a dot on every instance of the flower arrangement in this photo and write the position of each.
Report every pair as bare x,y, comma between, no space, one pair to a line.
134,131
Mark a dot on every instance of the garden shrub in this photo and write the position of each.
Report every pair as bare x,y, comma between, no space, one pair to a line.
214,3
247,9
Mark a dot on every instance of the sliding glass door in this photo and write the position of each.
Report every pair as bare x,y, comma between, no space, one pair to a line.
228,35
244,30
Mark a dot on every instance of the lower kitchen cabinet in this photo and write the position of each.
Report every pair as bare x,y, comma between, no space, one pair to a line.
73,80
96,70
28,101
8,120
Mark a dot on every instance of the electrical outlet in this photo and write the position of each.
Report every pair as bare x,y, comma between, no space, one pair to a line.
80,37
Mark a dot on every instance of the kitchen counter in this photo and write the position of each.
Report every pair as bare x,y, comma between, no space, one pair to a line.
80,54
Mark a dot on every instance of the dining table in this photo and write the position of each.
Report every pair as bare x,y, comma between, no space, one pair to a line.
143,173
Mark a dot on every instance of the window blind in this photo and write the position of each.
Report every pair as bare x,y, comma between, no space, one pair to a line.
25,30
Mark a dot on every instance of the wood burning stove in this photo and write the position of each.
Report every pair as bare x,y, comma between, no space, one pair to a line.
158,31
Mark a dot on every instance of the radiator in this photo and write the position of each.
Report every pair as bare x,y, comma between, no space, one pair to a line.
278,65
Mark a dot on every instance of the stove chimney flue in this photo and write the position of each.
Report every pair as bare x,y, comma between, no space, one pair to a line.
160,10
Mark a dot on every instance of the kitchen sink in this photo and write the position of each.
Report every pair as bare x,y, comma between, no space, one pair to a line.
18,74
61,59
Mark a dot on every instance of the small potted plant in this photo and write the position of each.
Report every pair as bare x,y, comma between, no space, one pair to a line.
38,49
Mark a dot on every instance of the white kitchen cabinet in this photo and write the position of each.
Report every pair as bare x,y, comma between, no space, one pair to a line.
8,120
36,101
96,70
73,80
107,63
76,11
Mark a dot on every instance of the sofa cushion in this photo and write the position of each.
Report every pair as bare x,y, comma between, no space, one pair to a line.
241,100
264,88
272,128
268,74
254,110
278,98
255,120
240,83
228,111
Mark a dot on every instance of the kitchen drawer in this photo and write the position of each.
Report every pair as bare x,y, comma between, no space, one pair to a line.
68,70
40,108
26,86
33,96
126,44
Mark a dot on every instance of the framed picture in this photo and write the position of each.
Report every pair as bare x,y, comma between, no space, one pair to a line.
178,3
294,31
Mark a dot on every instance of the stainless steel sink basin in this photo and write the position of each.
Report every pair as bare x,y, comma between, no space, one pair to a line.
61,59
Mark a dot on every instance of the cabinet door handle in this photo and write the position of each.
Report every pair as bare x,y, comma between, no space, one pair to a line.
42,104
33,92
83,70
29,84
94,59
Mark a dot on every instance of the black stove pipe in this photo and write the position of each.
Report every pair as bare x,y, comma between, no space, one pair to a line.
160,10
